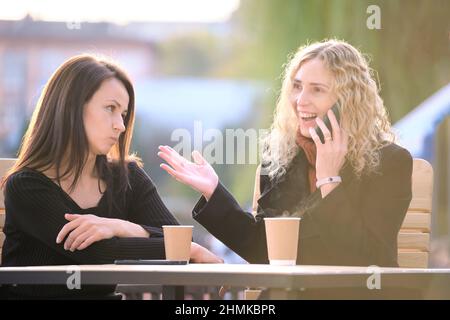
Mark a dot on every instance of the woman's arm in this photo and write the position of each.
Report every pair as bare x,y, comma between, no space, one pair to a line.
217,210
34,206
145,217
239,230
84,229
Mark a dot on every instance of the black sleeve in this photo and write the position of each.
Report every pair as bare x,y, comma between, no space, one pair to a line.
237,229
147,209
35,207
368,231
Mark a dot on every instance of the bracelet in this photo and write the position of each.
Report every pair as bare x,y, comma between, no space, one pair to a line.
321,182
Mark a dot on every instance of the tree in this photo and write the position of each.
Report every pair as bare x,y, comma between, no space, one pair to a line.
410,52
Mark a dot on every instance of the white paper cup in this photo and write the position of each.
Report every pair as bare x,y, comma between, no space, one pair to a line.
177,242
282,240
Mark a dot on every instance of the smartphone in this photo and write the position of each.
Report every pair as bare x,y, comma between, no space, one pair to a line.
151,262
326,120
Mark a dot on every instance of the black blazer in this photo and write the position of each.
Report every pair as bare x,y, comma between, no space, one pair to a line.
357,224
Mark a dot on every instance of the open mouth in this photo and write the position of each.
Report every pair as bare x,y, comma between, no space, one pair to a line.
307,116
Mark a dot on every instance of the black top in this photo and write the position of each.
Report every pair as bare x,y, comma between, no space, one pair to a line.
35,208
356,224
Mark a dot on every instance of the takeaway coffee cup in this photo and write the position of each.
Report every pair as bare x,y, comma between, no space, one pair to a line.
282,240
177,242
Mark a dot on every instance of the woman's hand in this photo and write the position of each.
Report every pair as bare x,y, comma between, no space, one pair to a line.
330,154
199,175
200,254
83,230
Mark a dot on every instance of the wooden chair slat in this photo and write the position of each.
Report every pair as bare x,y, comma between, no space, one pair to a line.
413,259
417,221
409,240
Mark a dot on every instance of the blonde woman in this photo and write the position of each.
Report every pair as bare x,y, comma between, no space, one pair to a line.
352,191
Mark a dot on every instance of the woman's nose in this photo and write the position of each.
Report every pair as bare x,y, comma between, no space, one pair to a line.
301,99
119,125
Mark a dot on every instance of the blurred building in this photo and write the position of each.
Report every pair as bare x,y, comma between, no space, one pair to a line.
30,51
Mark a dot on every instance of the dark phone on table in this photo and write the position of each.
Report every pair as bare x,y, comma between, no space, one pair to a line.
327,122
151,262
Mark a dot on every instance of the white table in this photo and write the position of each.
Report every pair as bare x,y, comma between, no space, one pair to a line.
435,283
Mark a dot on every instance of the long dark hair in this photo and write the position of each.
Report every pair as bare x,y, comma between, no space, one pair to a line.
56,132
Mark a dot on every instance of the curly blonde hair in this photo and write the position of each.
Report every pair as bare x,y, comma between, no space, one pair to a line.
363,115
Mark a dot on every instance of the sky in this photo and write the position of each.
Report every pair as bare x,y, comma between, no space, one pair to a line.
121,11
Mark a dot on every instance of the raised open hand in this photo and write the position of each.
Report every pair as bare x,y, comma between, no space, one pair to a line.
199,174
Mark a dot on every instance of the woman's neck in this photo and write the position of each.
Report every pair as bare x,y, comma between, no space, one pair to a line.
88,171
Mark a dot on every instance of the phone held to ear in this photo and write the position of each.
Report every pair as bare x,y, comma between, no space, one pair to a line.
327,122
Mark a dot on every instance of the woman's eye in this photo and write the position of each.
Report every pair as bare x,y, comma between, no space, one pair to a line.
296,86
317,89
124,115
110,108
